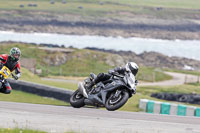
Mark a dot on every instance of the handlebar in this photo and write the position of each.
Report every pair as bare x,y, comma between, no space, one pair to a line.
15,77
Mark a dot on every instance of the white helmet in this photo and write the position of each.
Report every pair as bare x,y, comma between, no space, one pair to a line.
132,67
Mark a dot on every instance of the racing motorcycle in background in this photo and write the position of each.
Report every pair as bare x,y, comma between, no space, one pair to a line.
4,74
111,94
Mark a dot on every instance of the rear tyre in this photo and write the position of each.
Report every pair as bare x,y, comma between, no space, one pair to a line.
77,100
114,103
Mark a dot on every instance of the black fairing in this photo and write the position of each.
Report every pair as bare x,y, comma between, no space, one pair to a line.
103,92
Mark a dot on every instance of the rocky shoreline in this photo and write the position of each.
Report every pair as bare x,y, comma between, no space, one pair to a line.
45,22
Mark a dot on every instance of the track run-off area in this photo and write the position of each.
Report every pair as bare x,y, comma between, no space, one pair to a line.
60,119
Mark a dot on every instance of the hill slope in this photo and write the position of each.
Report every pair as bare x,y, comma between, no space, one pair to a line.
78,62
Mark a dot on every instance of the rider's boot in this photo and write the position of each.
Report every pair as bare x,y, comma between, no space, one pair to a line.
93,82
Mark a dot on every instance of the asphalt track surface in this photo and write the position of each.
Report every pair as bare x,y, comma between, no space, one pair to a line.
59,119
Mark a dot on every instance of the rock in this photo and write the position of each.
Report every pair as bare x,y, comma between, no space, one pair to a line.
115,60
152,59
56,60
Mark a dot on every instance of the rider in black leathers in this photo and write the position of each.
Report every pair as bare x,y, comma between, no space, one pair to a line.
130,66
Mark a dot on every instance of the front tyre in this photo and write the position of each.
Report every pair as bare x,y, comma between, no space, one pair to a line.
114,103
77,100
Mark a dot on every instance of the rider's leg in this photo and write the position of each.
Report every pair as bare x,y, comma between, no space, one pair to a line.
7,88
100,77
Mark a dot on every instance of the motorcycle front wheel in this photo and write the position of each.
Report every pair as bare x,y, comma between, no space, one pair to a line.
114,103
77,100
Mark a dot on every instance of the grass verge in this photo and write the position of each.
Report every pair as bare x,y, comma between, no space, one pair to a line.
22,97
151,74
18,130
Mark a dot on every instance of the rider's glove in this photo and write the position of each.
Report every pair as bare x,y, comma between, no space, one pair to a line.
17,76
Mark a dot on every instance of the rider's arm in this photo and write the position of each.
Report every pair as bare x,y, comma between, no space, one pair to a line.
18,71
120,70
3,57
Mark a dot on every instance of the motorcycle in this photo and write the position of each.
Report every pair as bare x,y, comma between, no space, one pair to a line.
111,94
4,74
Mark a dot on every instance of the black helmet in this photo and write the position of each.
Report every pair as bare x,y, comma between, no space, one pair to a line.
132,67
15,53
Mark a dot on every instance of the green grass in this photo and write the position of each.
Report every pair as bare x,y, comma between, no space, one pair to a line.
19,96
91,8
145,92
28,76
82,63
160,3
152,74
108,4
18,130
110,8
195,84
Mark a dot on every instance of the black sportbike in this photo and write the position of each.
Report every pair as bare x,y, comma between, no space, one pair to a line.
111,94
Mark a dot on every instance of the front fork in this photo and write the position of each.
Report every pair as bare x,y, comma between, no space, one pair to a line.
117,93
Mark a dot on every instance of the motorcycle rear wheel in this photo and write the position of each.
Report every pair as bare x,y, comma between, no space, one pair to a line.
77,100
115,103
